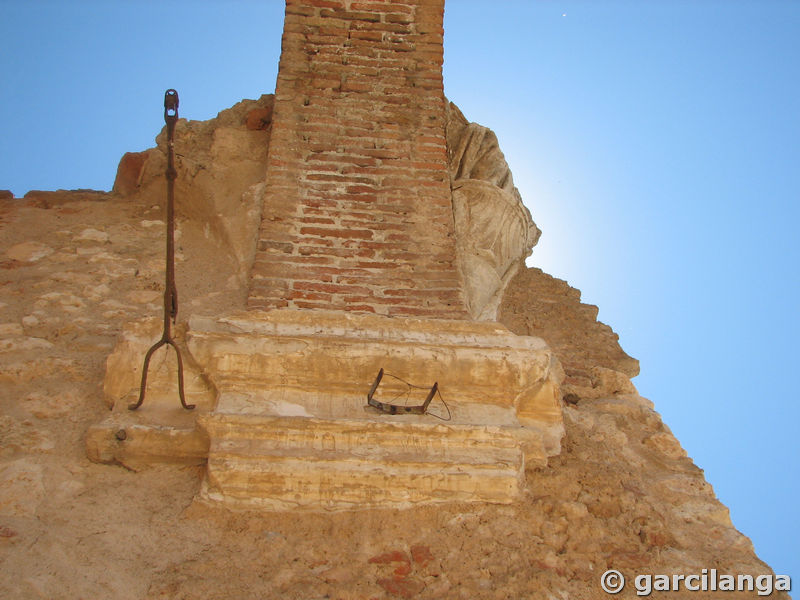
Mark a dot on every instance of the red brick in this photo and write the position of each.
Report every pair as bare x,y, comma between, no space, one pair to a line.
380,7
309,260
397,18
299,10
329,288
300,295
317,220
350,15
359,308
340,4
362,161
313,305
374,36
339,233
337,252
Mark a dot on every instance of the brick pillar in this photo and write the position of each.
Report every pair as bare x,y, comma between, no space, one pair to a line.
357,213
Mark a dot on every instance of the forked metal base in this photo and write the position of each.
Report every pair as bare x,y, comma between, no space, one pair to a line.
143,387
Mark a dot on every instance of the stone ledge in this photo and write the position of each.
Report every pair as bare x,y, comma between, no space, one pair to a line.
283,421
290,429
318,358
121,439
281,463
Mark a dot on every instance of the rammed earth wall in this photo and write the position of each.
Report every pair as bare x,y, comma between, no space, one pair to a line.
357,212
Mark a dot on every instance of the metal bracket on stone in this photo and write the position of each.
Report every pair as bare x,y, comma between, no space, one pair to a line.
394,409
170,291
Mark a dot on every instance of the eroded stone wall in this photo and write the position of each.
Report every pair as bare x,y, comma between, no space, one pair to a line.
221,165
541,305
76,267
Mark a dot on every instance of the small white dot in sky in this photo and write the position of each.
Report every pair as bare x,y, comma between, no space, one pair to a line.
563,14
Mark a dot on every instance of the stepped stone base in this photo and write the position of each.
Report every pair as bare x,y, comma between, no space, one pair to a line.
291,428
301,462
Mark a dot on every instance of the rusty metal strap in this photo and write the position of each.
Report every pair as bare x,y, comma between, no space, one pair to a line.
397,409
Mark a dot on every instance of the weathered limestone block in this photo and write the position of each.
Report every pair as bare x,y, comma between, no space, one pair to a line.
161,430
124,369
608,382
291,427
28,252
302,355
494,230
283,463
137,442
595,365
221,165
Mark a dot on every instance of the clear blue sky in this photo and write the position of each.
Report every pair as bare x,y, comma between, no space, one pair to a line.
657,145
